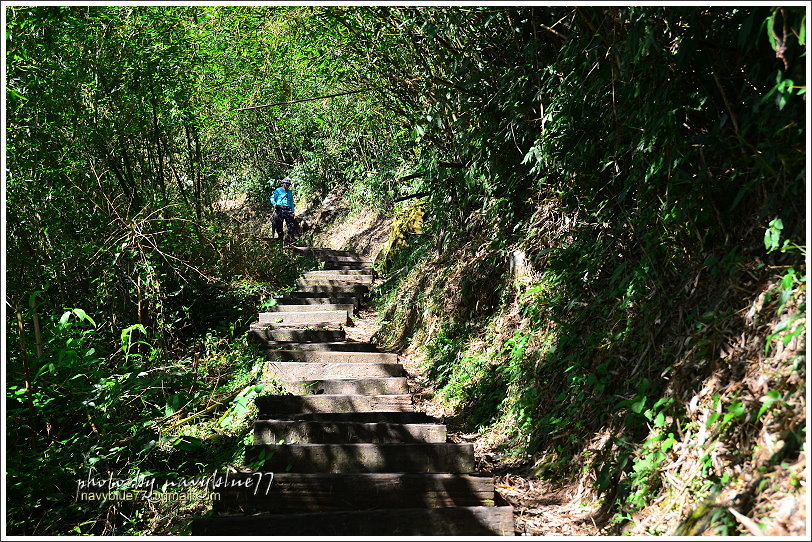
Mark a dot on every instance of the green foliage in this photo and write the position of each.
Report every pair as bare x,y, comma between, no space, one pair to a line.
93,417
293,53
773,235
408,222
634,154
240,407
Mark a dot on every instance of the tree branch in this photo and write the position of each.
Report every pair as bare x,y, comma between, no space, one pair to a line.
304,100
412,176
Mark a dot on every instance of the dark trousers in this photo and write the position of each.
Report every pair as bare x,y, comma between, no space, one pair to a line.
283,215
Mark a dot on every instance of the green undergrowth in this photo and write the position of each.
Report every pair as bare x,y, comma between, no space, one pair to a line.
96,401
152,378
604,268
617,383
154,418
625,306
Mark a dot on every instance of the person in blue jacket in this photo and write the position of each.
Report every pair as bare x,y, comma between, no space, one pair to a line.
282,200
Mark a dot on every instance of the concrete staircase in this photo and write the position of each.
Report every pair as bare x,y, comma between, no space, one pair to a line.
348,453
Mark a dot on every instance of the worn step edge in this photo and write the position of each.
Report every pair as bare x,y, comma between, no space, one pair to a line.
333,346
349,273
272,431
329,251
363,457
348,386
335,278
289,404
304,317
358,417
331,356
346,259
304,327
319,300
333,251
318,307
297,492
307,284
315,285
348,267
314,370
317,290
260,333
457,521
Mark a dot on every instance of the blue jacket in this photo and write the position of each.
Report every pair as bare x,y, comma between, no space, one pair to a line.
284,197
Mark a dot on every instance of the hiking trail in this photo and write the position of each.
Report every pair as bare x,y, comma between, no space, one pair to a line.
348,452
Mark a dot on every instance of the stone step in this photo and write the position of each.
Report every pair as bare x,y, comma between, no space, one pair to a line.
341,273
313,370
360,417
273,405
345,259
349,386
336,280
330,356
338,253
344,268
319,290
400,457
457,521
265,333
304,317
365,268
355,301
326,251
332,346
321,492
312,326
348,307
348,266
347,455
273,431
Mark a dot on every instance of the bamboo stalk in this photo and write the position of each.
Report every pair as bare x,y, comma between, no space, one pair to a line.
37,335
26,368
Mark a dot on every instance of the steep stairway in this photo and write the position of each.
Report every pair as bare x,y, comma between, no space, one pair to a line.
348,453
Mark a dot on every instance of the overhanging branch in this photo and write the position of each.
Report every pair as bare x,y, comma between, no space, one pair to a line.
304,100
